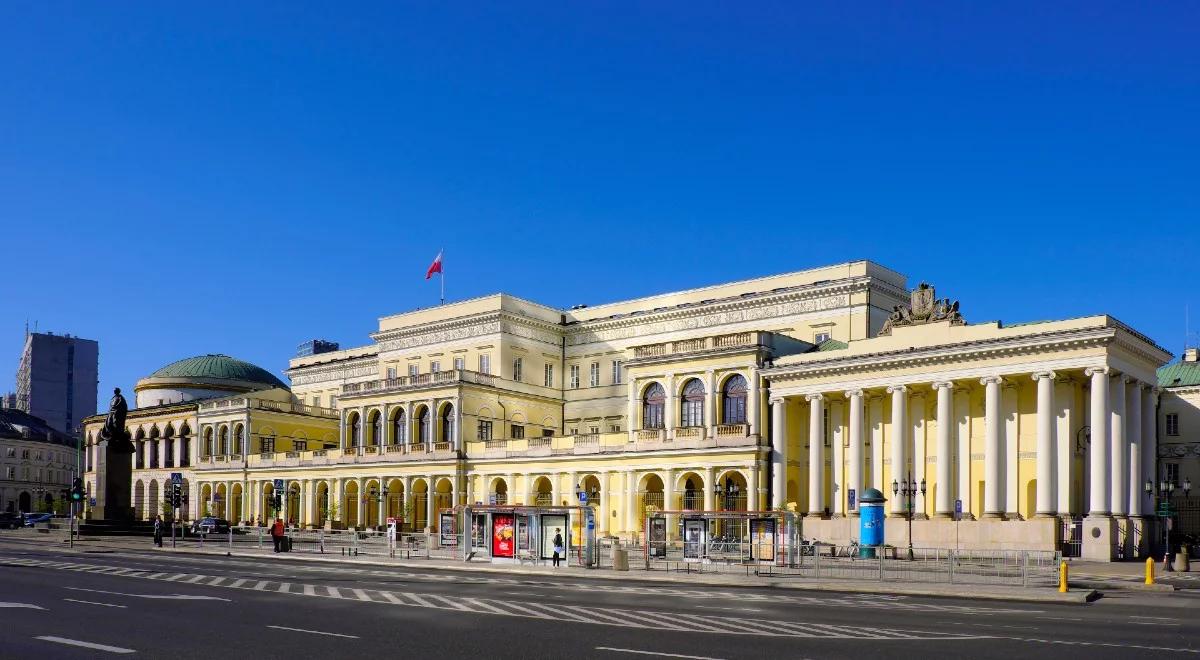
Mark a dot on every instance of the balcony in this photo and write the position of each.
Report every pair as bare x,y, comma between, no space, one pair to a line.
243,403
420,381
441,451
701,344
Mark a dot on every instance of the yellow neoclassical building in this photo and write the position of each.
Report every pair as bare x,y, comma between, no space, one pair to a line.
796,390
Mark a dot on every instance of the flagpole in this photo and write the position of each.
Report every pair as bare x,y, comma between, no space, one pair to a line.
442,273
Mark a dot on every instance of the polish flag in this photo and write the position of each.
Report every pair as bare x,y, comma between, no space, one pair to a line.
435,267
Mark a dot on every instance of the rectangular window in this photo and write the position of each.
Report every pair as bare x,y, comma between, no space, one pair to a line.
485,364
12,473
821,337
300,445
593,429
391,373
574,376
548,376
460,363
485,430
616,372
518,432
547,433
435,367
316,401
614,428
518,363
268,445
413,370
1173,473
594,375
1172,423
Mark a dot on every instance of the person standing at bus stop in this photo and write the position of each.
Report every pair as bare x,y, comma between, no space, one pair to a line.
277,533
558,546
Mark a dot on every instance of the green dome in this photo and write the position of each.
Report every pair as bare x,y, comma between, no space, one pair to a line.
220,367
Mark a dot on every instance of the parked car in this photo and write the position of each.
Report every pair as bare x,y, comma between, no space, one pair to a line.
32,519
210,526
10,520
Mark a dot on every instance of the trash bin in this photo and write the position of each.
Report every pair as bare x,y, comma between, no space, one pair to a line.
620,558
1181,559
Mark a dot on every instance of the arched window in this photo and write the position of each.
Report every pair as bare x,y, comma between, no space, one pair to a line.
691,408
733,400
399,431
448,423
185,446
223,441
423,425
376,428
239,434
208,443
652,407
353,429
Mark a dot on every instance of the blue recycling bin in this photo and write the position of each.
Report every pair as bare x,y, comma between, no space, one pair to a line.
870,532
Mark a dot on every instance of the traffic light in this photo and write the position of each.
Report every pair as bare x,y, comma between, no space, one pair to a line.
176,495
77,493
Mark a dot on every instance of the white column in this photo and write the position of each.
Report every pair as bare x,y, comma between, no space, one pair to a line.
631,409
381,514
753,398
993,503
962,413
430,504
816,454
669,500
778,453
1119,445
1046,472
1133,426
854,478
752,486
1149,445
916,416
875,420
556,488
898,439
837,463
943,505
1098,503
709,485
604,510
431,425
670,406
710,407
1065,421
630,504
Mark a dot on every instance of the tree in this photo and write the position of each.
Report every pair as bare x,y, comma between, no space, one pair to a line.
333,511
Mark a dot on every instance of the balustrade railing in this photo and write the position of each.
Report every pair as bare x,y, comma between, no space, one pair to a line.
736,430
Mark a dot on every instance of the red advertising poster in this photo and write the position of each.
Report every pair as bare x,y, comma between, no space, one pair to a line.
503,537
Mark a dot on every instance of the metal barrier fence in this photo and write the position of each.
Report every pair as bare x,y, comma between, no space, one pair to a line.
343,543
1030,568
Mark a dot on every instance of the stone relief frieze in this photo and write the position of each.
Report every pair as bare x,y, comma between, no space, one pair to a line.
337,374
711,320
440,336
1179,450
527,332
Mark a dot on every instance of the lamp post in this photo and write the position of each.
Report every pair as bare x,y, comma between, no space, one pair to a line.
1164,511
380,496
908,490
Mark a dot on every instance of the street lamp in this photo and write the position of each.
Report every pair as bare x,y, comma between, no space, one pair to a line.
908,490
731,492
1164,511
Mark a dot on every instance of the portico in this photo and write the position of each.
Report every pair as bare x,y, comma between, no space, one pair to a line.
1025,425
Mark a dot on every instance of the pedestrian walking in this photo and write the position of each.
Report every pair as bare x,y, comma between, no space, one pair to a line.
558,546
158,531
277,533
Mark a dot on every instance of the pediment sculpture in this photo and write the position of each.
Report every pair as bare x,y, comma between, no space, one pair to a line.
924,307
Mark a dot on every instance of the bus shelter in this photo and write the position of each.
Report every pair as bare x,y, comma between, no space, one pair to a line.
744,537
516,534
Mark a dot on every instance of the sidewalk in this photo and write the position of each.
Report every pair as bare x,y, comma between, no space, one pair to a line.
1129,575
939,590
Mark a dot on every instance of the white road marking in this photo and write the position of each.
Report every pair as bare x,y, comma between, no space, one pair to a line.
314,632
1153,623
28,606
731,609
662,655
154,596
360,594
92,602
86,645
1155,618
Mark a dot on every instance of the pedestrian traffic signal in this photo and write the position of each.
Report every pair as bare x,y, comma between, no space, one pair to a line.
176,495
77,493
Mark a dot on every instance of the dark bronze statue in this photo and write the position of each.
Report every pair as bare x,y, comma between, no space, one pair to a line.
114,427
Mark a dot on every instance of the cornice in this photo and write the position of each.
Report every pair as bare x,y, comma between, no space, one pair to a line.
946,353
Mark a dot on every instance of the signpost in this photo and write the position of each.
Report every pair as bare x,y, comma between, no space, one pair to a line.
176,488
850,496
957,518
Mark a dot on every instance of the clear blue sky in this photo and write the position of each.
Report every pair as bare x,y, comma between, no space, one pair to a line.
240,177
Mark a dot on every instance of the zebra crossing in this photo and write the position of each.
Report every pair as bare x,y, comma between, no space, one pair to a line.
583,614
826,599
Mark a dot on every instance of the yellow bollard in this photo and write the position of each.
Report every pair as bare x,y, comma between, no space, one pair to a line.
1149,571
1062,578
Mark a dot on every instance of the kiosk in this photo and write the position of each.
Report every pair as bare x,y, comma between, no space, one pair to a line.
515,534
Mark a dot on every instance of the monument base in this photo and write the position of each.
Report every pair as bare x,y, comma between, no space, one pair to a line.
114,482
1099,538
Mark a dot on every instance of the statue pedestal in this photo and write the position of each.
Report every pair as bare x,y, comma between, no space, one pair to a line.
114,483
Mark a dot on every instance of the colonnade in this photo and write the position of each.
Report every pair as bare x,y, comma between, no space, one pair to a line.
1120,450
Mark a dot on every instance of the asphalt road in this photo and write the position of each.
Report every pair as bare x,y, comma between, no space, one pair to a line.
63,604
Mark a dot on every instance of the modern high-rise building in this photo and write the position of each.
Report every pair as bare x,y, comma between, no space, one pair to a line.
57,379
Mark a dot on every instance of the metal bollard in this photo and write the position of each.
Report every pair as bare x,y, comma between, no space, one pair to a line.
1063,573
1149,571
1025,568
